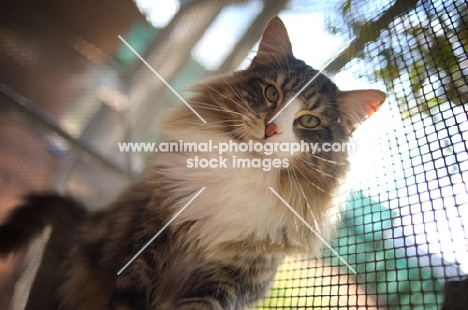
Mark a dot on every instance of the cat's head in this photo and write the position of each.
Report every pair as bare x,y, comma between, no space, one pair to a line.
279,99
244,103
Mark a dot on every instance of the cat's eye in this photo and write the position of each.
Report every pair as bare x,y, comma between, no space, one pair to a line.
308,121
271,94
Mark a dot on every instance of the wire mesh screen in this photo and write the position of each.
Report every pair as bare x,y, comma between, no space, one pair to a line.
404,227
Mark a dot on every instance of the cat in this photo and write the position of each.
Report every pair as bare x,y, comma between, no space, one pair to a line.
223,250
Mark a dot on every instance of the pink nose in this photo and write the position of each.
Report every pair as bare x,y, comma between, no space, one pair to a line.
271,129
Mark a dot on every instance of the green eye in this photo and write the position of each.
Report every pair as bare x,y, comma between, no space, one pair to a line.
308,121
271,93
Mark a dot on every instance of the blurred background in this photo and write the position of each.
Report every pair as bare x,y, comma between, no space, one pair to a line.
70,90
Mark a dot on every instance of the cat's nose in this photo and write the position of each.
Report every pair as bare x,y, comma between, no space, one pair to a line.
271,129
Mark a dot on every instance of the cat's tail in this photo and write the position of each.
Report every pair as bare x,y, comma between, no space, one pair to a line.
29,219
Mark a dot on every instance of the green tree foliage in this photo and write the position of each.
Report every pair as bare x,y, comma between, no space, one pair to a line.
421,45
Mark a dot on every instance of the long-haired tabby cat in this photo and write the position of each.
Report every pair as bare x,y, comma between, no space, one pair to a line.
223,250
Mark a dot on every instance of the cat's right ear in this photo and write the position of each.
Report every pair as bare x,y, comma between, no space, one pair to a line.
275,44
358,105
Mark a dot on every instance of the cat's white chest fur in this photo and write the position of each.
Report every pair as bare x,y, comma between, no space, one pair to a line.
236,204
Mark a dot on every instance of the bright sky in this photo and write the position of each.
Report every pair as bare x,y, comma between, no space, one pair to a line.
377,162
221,37
160,12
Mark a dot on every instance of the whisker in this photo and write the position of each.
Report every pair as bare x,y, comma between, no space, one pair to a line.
243,115
239,129
242,99
315,168
314,218
327,160
244,134
226,97
288,169
222,110
311,183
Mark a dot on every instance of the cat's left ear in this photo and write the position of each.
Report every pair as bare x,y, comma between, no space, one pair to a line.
358,105
275,43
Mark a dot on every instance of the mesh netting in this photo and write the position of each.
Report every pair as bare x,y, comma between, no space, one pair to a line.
404,230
